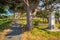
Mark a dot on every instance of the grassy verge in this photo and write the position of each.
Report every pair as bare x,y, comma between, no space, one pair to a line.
39,34
4,24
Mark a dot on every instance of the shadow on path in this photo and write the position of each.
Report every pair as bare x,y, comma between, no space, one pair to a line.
15,30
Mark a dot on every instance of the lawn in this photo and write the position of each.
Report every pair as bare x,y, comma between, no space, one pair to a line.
37,33
4,24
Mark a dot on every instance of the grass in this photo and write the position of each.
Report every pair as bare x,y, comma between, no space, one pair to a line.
4,24
37,33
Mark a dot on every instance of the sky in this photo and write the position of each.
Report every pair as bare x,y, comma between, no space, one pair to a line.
9,12
41,5
57,5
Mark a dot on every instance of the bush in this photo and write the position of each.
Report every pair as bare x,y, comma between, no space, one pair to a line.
4,24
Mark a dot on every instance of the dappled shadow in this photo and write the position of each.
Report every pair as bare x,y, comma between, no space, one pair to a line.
15,30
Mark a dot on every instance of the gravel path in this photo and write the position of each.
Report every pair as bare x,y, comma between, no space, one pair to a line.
15,33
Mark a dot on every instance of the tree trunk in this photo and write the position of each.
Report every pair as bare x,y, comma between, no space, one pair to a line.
29,18
59,17
52,21
34,13
28,14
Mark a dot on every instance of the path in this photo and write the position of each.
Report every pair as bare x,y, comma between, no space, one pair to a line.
15,33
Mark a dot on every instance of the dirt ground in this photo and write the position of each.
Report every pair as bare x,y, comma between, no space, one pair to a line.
3,33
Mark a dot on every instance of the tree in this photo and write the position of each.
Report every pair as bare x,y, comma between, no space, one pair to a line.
2,9
29,10
52,12
30,6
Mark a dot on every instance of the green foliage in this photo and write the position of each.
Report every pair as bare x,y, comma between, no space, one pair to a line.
3,17
57,15
2,10
39,21
43,14
4,24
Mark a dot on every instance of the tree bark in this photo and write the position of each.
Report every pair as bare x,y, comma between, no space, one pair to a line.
29,17
59,17
52,21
